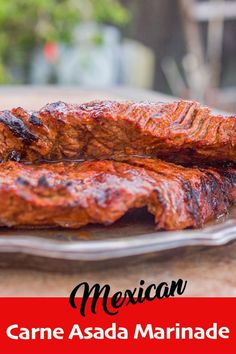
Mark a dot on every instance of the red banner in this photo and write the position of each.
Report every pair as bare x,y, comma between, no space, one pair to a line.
168,326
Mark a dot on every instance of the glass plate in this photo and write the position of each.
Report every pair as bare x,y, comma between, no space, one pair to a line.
133,235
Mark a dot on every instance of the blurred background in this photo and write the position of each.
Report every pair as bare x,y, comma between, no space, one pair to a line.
185,48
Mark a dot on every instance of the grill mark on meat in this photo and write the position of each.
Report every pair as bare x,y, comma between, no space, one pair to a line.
17,127
157,115
191,120
203,184
199,126
209,127
33,119
229,176
162,201
182,116
43,182
203,130
22,181
229,182
225,188
218,132
192,201
14,156
213,187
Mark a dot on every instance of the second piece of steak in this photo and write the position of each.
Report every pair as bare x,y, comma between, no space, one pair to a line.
73,194
180,132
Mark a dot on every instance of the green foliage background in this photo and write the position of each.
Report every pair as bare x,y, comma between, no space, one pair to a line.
26,24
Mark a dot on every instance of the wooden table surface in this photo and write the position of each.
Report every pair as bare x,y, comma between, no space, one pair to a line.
209,271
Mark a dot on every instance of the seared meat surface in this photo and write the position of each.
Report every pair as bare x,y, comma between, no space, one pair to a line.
181,131
75,194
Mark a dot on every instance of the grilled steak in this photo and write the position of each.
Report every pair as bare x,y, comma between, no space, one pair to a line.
75,194
177,131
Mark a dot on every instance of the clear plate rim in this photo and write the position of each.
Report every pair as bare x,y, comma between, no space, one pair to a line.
112,248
